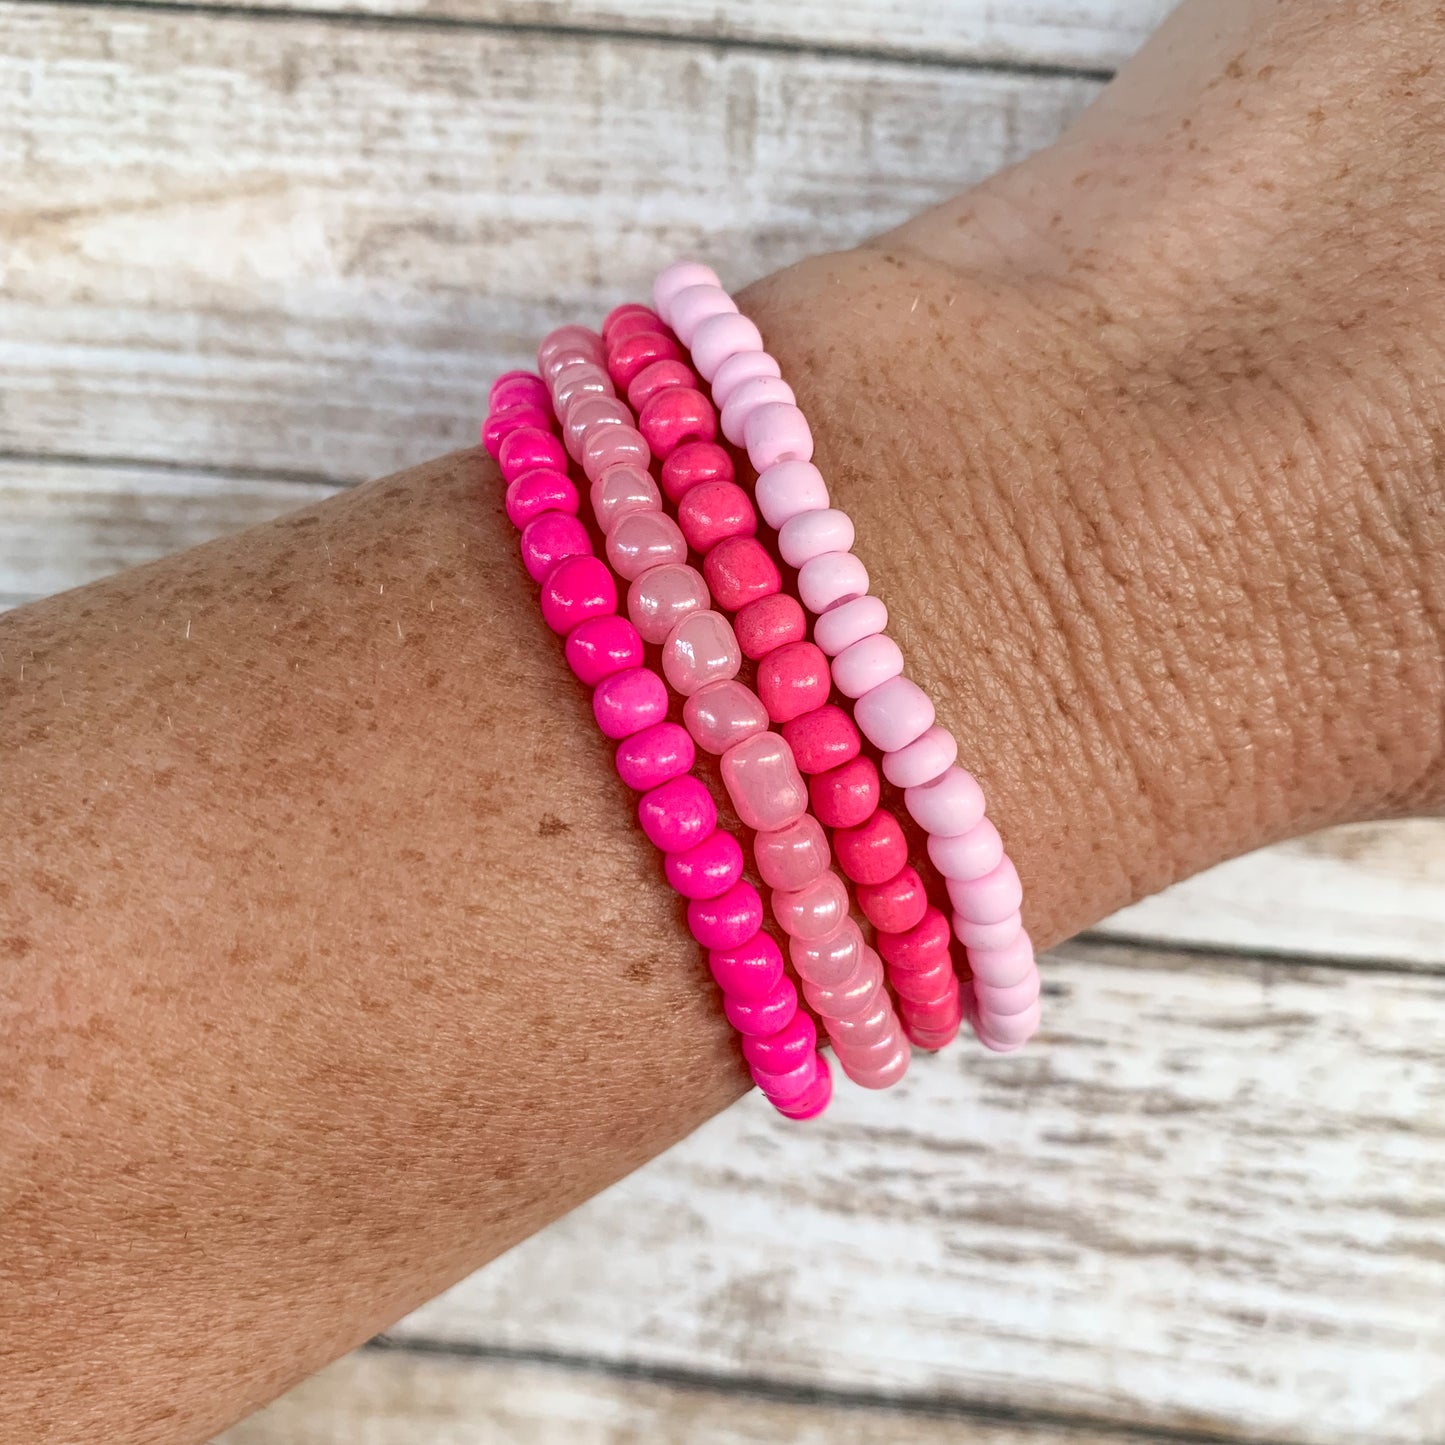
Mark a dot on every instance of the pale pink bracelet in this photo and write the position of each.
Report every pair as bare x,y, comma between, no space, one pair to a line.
759,410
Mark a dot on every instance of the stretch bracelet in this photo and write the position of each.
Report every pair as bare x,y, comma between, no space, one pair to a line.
760,411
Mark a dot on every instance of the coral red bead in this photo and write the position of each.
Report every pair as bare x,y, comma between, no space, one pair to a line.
874,850
711,512
770,623
896,905
739,571
528,447
633,354
499,425
654,756
921,946
550,537
822,739
707,869
692,463
762,1017
784,1050
931,1040
844,796
626,702
626,311
537,491
576,589
793,680
658,377
602,646
678,813
676,416
750,969
728,920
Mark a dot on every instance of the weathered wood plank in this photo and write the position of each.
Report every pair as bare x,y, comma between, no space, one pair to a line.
255,242
1211,1197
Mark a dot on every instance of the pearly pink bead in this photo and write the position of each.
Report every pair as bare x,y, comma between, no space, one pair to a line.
786,1049
654,756
640,541
676,278
722,714
857,994
611,446
626,702
878,1021
620,490
707,869
951,804
894,713
777,433
764,783
830,959
789,489
677,814
727,921
989,899
576,590
989,936
926,758
741,366
1003,967
751,969
811,534
567,344
700,650
592,414
813,911
1005,1032
1001,1002
848,623
867,664
720,337
793,856
967,855
578,379
602,646
862,1056
747,397
885,1074
694,305
830,579
765,1016
658,600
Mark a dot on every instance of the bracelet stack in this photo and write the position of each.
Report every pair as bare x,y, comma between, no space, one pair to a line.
659,439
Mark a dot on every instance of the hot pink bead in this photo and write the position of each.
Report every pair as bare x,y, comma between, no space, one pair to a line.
989,899
678,813
654,756
676,416
1005,1032
613,446
513,388
591,414
500,424
811,1104
528,447
787,489
895,905
812,911
692,464
857,995
631,355
620,490
720,337
537,491
576,380
769,623
576,589
765,786
967,855
765,1016
951,804
811,534
788,1089
786,1049
1003,967
830,959
658,600
741,366
722,714
830,579
989,935
640,541
777,432
747,398
701,649
626,702
867,664
885,1074
603,646
924,986
550,537
822,739
707,869
874,850
849,623
793,856
920,947
995,1002
740,571
636,316
793,680
694,305
660,376
730,919
750,969
923,760
714,511
845,796
568,343
894,713
676,278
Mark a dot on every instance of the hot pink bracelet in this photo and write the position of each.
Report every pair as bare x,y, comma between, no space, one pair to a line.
759,411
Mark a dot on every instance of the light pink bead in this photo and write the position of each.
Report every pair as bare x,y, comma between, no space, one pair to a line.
776,433
592,414
747,397
640,541
1005,1032
788,489
676,278
765,786
620,490
894,714
923,760
885,1074
722,714
813,911
701,649
848,623
810,534
861,1029
612,446
830,579
830,959
861,1056
694,305
857,994
658,600
989,899
578,379
989,936
720,337
867,664
793,856
741,366
1000,1002
1003,967
951,804
967,855
566,345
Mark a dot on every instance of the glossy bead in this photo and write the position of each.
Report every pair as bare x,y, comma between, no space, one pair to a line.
700,650
812,911
603,646
858,1030
654,756
693,305
995,1001
811,534
747,397
787,1089
740,571
817,1098
769,623
988,935
932,1040
658,600
859,1056
845,796
500,424
676,416
788,489
528,447
920,947
576,589
762,1017
765,786
967,855
512,388
872,851
728,920
786,1049
923,760
777,432
636,316
830,579
626,702
849,623
951,804
550,537
1003,967
592,414
693,463
631,355
741,366
613,446
1005,1032
720,337
793,680
822,739
925,985
830,959
711,512
989,899
677,814
566,344
857,994
660,376
940,1011
537,491
885,1074
793,856
620,490
576,380
722,714
895,905
866,665
640,541
707,869
750,969
676,278
894,713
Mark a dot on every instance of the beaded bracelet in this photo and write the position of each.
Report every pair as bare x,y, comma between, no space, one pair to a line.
759,410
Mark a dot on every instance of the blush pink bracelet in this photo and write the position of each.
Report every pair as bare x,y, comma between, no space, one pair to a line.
760,412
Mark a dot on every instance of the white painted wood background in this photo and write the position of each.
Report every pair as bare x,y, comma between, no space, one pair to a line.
254,250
